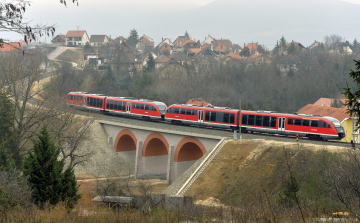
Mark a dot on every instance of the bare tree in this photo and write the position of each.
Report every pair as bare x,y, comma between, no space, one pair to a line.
333,40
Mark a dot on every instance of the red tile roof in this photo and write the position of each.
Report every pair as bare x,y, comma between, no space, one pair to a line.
147,42
189,41
75,33
232,55
8,47
252,46
338,113
328,101
194,50
194,102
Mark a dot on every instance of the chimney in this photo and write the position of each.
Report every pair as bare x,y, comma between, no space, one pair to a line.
162,38
244,45
194,40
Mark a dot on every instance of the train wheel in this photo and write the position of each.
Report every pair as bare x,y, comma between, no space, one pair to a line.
173,122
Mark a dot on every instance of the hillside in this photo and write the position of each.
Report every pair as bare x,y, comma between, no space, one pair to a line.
243,173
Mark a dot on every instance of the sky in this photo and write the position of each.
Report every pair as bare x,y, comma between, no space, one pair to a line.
158,19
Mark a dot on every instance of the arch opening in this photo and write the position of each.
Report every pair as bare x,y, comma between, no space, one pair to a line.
155,147
125,141
189,151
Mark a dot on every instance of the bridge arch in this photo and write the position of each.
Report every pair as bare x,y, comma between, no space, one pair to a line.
155,145
125,141
189,148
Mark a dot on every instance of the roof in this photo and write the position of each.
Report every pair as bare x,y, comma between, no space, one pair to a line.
97,38
128,58
196,50
252,46
225,42
8,47
75,33
236,47
189,41
195,102
232,55
116,41
61,36
338,113
179,56
147,42
162,59
256,55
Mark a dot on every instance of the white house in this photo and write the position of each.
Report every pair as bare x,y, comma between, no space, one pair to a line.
76,38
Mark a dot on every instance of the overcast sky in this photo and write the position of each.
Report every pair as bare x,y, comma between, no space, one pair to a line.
170,18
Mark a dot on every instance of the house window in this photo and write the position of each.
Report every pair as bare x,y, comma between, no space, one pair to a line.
70,38
138,65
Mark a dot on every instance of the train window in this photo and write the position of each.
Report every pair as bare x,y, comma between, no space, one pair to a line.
251,119
219,116
328,126
314,123
213,116
266,121
291,121
69,96
244,119
207,116
182,111
170,110
117,105
305,122
80,98
152,108
273,122
226,118
189,112
259,120
107,104
147,107
297,122
232,118
322,124
177,111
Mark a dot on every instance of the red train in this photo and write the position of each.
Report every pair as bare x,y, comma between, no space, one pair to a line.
313,127
141,108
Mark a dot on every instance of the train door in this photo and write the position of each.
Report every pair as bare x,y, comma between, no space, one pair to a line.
281,122
200,116
84,102
128,107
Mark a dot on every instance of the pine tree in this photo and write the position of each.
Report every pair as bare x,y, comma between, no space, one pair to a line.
44,170
245,52
353,105
133,38
187,35
150,65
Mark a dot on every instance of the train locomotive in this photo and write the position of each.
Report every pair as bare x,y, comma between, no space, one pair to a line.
311,126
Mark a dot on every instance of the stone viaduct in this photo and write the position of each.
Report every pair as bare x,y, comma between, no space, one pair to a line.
158,152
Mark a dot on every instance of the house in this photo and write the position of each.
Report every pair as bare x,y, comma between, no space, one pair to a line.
11,47
60,40
288,62
180,40
205,63
145,44
221,45
190,44
348,122
127,63
94,59
98,40
165,47
180,58
236,48
172,70
208,40
159,61
252,47
346,49
201,103
76,38
296,44
116,42
230,57
260,58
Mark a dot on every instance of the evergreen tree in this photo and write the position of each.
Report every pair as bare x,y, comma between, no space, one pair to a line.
109,74
208,51
133,38
353,105
291,48
88,48
290,188
187,35
283,42
355,45
48,182
245,52
150,65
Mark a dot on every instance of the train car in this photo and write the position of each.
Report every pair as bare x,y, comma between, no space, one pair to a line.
125,106
197,115
140,108
87,101
311,126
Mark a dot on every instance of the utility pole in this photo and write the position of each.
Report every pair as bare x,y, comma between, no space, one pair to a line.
240,121
78,35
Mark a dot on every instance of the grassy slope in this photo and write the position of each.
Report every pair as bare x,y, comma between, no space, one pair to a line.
241,172
72,55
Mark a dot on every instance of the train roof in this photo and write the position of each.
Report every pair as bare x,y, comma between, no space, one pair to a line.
126,98
199,106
